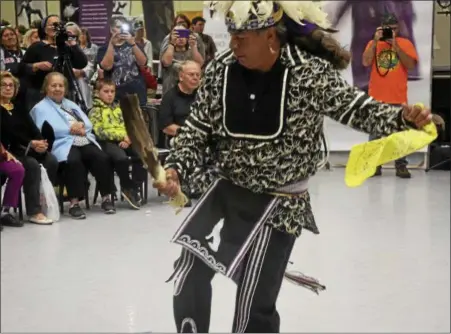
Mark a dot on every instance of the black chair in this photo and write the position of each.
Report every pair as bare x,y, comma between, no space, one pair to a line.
20,208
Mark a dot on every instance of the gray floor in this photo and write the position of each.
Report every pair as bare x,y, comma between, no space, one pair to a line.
383,252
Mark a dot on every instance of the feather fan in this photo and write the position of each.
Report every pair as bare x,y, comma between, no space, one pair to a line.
144,146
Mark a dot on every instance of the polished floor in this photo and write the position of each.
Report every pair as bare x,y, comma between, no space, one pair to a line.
383,253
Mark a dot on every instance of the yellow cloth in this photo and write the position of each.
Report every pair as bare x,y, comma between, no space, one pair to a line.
364,158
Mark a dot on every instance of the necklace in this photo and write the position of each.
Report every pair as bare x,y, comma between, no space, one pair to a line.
8,107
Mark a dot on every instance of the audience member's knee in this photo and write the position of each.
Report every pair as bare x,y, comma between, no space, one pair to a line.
17,172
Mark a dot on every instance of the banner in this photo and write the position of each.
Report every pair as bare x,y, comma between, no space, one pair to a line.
216,28
357,21
28,11
95,16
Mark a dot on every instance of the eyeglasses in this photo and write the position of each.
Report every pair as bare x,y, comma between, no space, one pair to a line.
5,85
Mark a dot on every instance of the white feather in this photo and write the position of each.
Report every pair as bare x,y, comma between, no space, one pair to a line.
240,12
305,10
263,9
221,7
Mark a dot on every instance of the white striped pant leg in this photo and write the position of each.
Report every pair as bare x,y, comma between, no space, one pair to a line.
260,282
192,294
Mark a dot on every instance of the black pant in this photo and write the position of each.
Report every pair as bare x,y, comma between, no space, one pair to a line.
81,160
259,283
32,180
121,160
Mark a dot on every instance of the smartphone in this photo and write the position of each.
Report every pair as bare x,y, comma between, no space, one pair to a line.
125,28
183,33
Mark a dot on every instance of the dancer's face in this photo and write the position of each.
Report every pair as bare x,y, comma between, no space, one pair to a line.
252,48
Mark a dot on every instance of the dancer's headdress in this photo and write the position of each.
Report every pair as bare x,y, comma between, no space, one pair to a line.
300,17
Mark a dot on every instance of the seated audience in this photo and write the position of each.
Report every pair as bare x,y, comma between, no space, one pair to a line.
43,56
75,145
176,48
109,128
121,60
14,172
30,37
176,104
24,140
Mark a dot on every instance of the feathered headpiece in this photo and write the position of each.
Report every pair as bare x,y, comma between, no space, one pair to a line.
260,14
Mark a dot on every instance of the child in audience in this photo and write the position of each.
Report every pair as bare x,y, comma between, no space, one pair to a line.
14,171
109,128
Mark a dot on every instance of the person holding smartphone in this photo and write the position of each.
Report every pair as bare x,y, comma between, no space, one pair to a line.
121,60
390,57
182,45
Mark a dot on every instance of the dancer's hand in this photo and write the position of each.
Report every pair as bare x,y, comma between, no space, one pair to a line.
417,115
172,186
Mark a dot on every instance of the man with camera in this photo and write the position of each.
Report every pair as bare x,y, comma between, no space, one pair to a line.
391,57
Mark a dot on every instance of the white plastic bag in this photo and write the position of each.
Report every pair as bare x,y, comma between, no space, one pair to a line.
49,202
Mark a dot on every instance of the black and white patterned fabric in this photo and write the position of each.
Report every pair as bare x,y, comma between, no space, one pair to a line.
312,89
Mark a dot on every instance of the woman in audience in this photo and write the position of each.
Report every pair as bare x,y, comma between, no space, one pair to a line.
11,60
90,49
74,144
30,37
121,60
14,171
109,127
177,48
43,55
24,140
83,76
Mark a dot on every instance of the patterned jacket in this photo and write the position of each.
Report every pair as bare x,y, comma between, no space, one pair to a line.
107,121
312,89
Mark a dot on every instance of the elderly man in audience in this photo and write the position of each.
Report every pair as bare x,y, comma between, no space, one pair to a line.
43,55
24,140
108,123
176,105
121,60
13,170
181,44
75,145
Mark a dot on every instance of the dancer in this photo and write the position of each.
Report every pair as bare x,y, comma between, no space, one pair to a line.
261,109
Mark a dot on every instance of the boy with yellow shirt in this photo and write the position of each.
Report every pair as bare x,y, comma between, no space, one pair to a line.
109,128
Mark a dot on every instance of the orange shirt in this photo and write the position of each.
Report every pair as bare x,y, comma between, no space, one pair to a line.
389,84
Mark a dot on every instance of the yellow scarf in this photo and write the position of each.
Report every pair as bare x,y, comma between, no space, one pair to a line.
364,158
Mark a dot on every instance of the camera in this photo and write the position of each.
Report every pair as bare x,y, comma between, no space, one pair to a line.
387,33
61,34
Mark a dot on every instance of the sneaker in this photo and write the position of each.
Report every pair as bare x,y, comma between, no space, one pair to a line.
189,203
131,196
108,207
402,172
378,171
76,212
10,220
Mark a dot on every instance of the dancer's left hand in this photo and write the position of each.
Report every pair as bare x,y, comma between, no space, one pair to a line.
417,115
